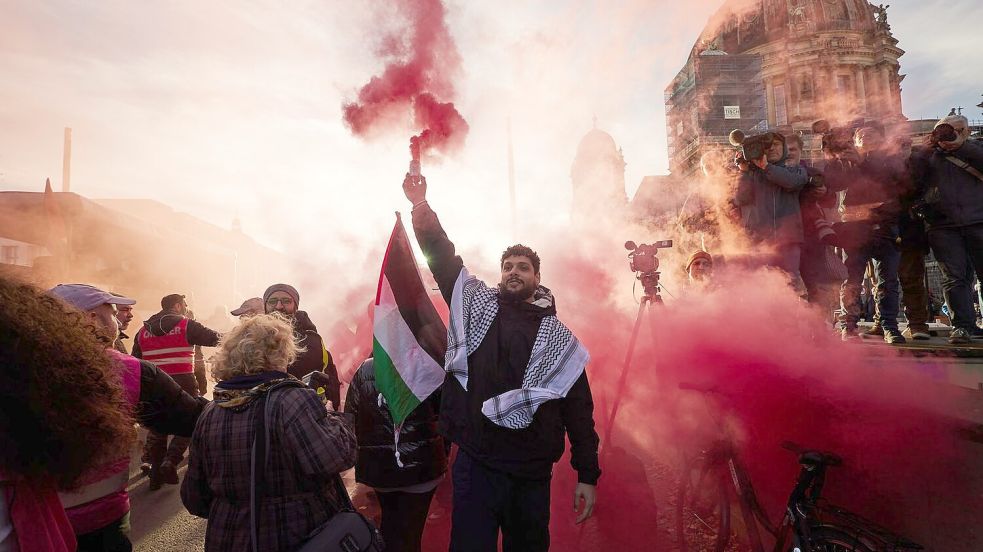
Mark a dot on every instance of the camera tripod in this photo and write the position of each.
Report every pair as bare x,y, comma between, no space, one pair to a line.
651,294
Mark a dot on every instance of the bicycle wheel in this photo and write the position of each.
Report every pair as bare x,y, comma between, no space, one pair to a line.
834,539
702,515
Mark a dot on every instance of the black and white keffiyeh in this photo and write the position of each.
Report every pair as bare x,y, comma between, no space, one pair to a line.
555,364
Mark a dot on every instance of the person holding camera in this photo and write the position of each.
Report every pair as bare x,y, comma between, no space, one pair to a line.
821,269
516,386
948,175
874,179
768,194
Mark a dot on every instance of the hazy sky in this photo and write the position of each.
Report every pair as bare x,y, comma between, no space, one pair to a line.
219,108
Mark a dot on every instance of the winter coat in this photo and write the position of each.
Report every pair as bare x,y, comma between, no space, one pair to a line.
308,446
769,201
421,448
315,357
954,196
164,407
874,188
164,321
497,366
119,345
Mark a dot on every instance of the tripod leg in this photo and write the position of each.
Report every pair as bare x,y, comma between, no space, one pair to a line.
624,372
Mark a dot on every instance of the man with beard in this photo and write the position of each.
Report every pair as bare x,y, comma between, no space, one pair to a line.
168,339
515,386
124,315
285,299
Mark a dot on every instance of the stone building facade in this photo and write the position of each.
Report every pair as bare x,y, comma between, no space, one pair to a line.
820,59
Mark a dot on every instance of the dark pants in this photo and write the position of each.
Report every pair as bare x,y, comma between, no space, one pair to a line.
111,538
886,257
157,448
958,251
911,272
486,500
403,518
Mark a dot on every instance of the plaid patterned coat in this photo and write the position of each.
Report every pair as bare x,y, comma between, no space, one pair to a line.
308,445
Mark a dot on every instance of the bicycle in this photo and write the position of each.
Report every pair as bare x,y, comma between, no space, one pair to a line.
809,523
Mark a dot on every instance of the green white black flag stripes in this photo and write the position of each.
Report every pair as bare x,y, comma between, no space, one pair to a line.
409,338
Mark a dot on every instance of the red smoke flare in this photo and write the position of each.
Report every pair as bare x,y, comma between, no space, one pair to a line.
422,61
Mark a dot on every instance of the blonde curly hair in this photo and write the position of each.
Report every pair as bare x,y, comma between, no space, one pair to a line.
258,344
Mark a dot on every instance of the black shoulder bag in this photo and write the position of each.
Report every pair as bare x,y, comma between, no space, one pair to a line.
346,531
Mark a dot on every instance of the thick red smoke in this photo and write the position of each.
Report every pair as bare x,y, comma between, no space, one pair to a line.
417,83
782,375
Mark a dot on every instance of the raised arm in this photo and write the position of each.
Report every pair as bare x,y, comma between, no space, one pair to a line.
444,263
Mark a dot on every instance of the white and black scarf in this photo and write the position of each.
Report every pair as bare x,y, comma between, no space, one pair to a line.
555,364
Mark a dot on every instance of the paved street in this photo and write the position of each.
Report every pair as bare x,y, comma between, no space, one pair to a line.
161,524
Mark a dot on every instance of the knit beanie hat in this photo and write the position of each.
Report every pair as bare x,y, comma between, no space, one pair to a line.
290,290
699,254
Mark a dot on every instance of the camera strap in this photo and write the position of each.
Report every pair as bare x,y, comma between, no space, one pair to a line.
965,166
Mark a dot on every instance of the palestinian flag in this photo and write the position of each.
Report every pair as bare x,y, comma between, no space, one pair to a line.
409,338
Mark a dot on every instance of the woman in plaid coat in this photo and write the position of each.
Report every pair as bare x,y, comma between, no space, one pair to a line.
308,446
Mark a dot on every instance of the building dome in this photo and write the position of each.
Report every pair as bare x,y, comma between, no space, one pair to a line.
740,25
598,176
596,142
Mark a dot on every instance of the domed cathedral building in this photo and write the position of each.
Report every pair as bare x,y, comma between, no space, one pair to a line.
818,59
598,177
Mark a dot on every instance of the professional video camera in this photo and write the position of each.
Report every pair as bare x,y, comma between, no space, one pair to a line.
753,147
644,258
837,140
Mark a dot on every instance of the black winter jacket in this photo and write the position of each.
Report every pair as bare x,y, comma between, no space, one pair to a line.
164,321
315,358
497,366
164,407
954,196
874,187
421,448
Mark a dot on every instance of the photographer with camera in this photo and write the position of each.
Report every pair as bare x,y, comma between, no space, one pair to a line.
768,194
822,270
948,176
874,180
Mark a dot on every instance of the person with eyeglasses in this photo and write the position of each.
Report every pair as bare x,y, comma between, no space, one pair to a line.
168,340
284,299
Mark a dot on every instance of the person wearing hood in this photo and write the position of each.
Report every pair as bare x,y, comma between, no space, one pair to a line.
168,339
516,387
699,268
768,195
284,299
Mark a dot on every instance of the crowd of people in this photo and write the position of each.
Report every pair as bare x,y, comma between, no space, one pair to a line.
266,453
875,208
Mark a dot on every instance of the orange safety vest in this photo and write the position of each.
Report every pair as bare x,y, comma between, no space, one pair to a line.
171,352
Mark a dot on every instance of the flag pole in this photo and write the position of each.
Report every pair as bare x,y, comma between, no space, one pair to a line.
512,181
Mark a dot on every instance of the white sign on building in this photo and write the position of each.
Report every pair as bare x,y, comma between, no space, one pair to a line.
732,112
